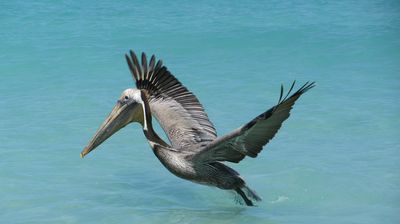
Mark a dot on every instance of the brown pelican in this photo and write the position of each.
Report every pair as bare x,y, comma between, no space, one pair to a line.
195,152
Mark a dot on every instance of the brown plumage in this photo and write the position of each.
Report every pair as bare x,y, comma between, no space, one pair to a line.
195,153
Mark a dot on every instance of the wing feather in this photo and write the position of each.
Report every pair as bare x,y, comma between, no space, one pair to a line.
178,110
249,139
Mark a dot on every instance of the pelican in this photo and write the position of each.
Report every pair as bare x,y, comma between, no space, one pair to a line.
194,151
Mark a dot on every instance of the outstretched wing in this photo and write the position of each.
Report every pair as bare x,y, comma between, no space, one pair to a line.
249,139
178,110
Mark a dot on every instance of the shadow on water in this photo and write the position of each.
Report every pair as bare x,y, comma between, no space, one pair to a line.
155,199
210,214
216,214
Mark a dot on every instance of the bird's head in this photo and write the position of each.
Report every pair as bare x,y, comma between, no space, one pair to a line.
130,108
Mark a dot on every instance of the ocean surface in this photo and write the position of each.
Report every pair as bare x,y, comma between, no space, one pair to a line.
335,160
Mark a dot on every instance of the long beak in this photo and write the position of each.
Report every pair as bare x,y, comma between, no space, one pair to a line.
117,119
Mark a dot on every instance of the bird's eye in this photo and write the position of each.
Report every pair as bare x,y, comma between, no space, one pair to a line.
126,97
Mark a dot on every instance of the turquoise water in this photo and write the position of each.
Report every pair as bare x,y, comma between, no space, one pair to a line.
336,160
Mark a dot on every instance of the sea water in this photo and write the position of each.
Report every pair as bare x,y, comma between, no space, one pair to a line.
335,160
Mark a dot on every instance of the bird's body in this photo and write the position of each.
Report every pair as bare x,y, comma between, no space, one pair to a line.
195,153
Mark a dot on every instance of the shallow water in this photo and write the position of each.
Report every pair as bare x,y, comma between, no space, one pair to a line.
336,160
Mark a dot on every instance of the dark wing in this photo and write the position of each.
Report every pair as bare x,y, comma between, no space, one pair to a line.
178,110
249,139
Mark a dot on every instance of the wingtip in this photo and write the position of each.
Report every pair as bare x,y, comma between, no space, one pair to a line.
132,54
304,88
281,94
127,58
307,86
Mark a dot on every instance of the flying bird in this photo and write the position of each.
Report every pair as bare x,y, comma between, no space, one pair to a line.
194,151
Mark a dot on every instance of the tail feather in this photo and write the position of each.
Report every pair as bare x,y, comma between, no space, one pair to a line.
249,196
